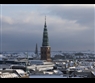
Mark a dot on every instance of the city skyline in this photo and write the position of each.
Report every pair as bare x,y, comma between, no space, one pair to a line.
70,27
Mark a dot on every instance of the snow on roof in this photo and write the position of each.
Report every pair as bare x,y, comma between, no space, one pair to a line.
79,70
71,62
57,71
14,75
30,56
20,71
50,65
72,67
8,75
93,73
21,56
45,68
83,66
37,60
41,67
47,72
56,53
47,62
2,56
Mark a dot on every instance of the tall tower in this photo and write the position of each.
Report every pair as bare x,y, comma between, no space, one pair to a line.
45,49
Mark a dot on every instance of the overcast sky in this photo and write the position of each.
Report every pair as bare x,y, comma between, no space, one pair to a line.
70,27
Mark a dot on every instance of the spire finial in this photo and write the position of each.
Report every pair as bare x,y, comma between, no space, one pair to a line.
45,18
45,21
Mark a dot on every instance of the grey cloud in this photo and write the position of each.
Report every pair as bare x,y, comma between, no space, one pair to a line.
83,15
83,40
20,37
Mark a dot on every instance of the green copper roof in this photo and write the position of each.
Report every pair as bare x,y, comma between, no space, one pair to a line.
45,35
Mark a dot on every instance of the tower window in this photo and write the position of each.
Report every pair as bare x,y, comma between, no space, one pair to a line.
42,52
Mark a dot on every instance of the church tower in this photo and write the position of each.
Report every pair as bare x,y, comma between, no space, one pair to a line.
45,49
36,50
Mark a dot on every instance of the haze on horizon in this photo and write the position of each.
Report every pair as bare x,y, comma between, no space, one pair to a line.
70,27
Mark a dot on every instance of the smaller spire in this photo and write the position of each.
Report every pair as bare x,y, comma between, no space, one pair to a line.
36,50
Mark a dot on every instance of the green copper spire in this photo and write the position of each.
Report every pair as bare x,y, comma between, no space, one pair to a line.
45,35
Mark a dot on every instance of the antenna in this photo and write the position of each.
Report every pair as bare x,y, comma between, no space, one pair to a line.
45,18
45,22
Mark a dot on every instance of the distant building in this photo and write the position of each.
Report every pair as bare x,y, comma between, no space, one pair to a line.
45,49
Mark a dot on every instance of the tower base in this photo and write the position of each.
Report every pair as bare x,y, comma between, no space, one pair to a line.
49,60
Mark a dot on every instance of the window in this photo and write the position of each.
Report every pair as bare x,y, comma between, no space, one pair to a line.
42,52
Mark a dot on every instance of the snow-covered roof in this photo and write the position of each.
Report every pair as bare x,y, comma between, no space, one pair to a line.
48,72
2,56
36,62
57,71
93,72
79,70
72,67
50,65
56,53
41,67
20,71
47,63
6,75
45,68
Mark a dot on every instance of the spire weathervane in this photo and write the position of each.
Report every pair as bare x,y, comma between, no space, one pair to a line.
45,22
